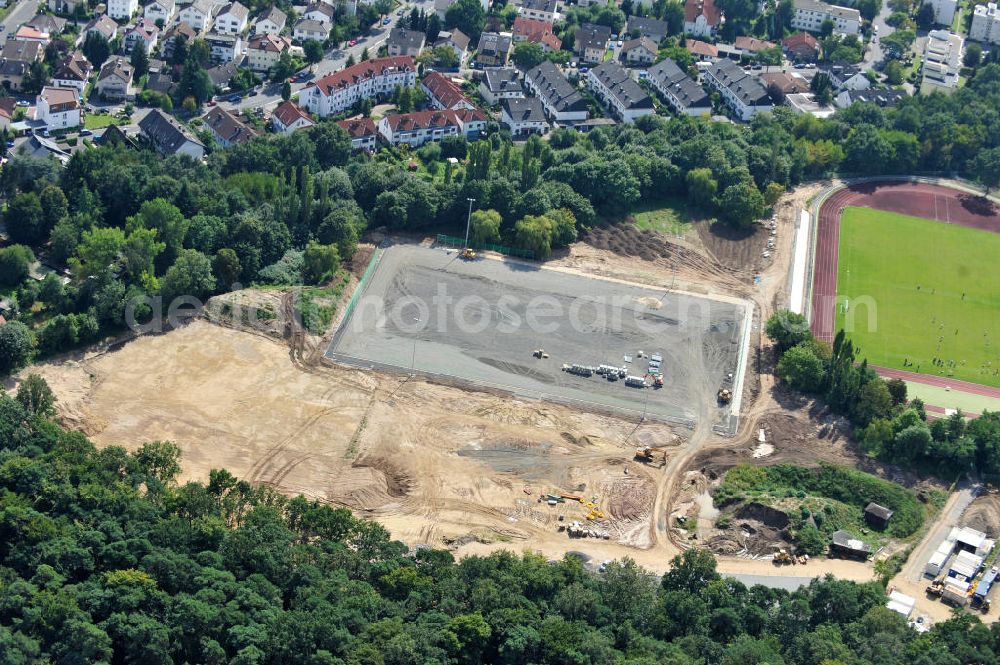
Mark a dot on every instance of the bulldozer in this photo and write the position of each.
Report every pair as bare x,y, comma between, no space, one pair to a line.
468,254
646,455
782,556
725,396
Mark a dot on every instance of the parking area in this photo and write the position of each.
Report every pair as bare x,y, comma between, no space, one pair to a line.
427,311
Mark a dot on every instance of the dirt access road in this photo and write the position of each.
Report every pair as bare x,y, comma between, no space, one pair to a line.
435,463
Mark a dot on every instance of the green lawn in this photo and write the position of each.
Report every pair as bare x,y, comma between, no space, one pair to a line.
93,121
919,289
671,215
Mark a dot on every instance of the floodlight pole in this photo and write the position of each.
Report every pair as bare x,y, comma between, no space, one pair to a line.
468,223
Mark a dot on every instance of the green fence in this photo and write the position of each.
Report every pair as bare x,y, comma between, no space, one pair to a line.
453,241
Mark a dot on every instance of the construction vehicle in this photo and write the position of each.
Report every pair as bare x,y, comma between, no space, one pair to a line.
579,370
935,588
985,606
782,556
468,254
539,353
646,454
635,381
725,396
658,381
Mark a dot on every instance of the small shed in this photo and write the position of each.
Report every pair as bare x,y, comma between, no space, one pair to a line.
845,544
877,516
965,565
900,602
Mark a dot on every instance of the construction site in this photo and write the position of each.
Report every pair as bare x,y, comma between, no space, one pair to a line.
478,440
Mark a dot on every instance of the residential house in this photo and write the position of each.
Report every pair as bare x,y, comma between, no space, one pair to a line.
591,42
143,35
319,11
226,128
845,76
8,106
456,40
26,33
807,103
263,51
63,6
812,14
678,90
159,10
638,52
444,93
801,46
272,21
308,29
169,136
539,10
231,19
405,42
222,74
743,94
702,51
494,49
114,82
168,39
535,32
523,116
47,24
787,83
500,83
562,101
122,10
225,47
162,82
473,122
363,133
198,14
702,18
73,71
15,61
288,118
942,62
102,25
623,97
416,129
944,11
339,91
751,46
986,24
58,108
653,28
884,97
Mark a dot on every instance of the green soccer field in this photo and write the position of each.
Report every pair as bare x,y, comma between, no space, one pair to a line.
918,290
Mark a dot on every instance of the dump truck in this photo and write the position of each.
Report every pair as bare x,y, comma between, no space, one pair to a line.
646,455
579,370
468,254
725,396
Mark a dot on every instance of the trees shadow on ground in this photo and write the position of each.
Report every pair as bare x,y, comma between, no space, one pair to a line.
725,231
978,205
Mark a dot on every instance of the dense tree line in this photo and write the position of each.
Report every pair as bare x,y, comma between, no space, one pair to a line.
105,558
887,425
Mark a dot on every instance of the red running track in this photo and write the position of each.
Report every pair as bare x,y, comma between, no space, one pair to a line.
908,198
938,382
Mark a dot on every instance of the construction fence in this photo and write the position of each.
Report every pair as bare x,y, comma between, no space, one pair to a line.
454,241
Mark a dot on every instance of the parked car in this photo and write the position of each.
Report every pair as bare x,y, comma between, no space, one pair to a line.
85,132
23,103
584,70
353,42
211,102
386,21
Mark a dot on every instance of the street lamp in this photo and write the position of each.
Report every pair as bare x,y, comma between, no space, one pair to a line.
468,223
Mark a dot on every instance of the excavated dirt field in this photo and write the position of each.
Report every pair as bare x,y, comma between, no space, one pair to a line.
983,514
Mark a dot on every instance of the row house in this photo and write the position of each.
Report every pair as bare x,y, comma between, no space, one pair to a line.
741,92
560,99
523,116
444,93
416,129
500,83
623,97
363,133
337,92
680,92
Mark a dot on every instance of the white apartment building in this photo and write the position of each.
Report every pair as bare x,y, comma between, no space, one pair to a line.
159,10
373,78
811,14
198,15
986,24
942,62
122,10
58,108
232,20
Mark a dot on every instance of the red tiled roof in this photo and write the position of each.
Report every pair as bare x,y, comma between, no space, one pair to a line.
358,127
799,40
695,8
531,29
406,122
443,90
552,41
702,48
752,44
470,115
287,113
269,42
362,71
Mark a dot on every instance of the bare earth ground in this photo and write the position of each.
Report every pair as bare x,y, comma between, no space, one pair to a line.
447,466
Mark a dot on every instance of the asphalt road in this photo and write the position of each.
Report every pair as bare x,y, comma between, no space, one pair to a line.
874,53
335,60
501,311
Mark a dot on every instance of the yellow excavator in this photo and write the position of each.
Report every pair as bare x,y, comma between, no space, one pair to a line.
468,254
646,455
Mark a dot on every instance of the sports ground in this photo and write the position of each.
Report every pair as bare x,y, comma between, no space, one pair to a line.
908,270
920,295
